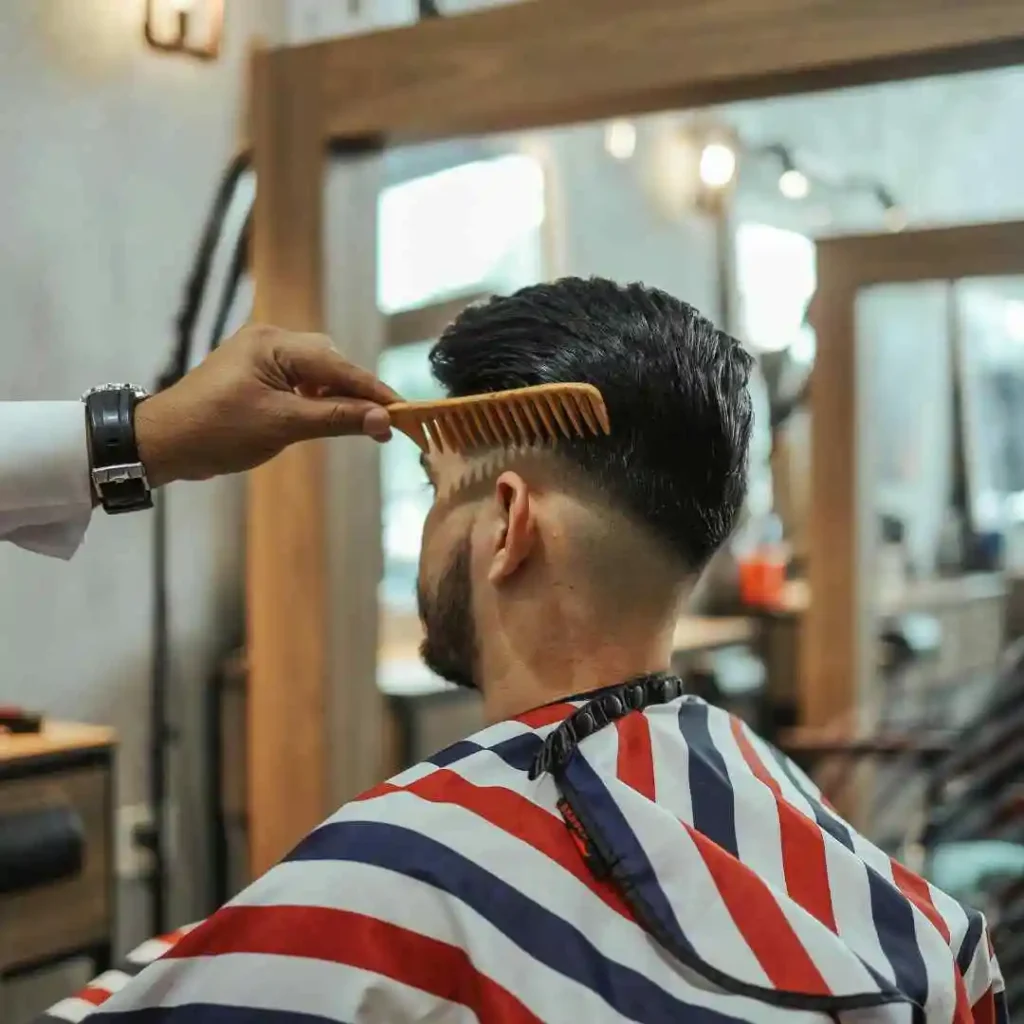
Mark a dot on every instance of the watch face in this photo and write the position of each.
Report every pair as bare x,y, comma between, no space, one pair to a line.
137,390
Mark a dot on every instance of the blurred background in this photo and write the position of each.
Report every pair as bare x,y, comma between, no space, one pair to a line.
122,257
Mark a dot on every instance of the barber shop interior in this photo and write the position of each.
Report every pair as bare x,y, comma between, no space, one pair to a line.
663,660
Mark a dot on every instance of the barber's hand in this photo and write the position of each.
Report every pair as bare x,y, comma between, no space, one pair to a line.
260,391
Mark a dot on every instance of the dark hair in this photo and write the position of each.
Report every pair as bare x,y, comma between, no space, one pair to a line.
675,387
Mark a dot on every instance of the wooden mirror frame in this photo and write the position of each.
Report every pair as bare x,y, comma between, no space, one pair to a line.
314,710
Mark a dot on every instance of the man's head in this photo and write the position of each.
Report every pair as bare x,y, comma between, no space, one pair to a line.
576,557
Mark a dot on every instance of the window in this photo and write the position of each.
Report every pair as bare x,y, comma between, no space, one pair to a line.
472,229
406,496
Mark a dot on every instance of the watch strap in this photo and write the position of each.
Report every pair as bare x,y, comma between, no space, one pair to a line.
118,475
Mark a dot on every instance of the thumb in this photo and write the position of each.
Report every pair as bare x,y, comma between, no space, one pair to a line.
336,417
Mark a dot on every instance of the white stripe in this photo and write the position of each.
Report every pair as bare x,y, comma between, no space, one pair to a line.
602,752
418,907
492,771
953,914
938,958
148,951
983,971
756,816
291,984
486,738
688,886
73,1009
671,757
850,897
790,793
111,981
851,905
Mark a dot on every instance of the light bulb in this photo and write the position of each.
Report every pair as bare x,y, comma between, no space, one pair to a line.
793,184
894,218
620,139
717,164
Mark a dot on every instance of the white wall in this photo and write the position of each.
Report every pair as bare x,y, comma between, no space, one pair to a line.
109,155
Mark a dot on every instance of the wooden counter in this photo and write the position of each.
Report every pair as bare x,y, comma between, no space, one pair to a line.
915,595
55,740
64,768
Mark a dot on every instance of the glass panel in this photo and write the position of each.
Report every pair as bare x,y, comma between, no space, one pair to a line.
909,403
475,227
405,492
990,316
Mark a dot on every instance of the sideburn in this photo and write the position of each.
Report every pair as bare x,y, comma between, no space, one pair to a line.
449,646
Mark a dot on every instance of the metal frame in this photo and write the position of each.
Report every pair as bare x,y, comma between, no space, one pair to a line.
314,710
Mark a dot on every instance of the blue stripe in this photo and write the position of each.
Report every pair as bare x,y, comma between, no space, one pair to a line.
631,865
517,752
634,869
1002,1009
205,1013
969,946
711,793
891,911
540,933
456,752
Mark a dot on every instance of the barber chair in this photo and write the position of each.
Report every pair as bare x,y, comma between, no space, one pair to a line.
974,832
908,736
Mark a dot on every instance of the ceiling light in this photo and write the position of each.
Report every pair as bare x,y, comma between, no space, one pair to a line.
717,164
794,184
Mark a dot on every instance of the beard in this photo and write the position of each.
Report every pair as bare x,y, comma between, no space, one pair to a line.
449,643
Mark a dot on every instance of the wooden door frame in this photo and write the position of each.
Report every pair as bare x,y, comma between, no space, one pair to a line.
521,66
839,628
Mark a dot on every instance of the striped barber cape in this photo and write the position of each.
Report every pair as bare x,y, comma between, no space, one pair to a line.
601,859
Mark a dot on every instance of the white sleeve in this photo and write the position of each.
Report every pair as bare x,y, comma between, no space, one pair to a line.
45,496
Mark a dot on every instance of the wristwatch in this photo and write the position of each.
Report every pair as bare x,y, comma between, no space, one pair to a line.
118,476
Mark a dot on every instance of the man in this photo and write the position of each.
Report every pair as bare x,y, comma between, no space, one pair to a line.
608,849
262,390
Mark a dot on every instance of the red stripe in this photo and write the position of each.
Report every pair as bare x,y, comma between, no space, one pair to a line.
515,814
635,765
803,845
915,888
344,937
984,1010
761,921
95,995
963,1014
546,715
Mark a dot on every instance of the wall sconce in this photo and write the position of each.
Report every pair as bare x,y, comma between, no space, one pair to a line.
191,27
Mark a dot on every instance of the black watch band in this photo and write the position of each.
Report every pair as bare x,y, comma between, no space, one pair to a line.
118,476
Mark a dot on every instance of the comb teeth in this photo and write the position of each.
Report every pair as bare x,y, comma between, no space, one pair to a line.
525,417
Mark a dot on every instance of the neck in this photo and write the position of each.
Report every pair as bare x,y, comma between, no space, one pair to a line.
557,662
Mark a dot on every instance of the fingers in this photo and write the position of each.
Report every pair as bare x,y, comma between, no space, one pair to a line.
330,417
313,367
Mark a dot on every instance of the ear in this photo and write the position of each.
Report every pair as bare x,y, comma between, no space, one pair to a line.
515,528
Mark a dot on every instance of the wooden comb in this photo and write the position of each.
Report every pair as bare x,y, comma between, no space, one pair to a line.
507,419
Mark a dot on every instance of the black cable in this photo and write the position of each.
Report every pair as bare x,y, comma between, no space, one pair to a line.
162,733
239,264
195,286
